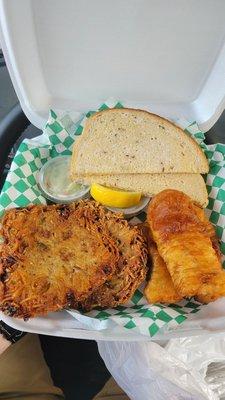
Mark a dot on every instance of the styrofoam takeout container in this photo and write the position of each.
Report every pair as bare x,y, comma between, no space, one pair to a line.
167,57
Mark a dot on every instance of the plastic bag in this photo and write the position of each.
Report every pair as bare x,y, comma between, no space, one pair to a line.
186,369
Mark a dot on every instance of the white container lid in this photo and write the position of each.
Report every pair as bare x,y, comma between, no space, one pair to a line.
166,56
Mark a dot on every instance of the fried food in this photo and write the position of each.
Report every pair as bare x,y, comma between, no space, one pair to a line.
214,290
51,259
183,242
211,292
209,230
132,266
160,287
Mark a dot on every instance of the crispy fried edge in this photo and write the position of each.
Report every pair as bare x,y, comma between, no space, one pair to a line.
209,232
153,289
10,309
99,297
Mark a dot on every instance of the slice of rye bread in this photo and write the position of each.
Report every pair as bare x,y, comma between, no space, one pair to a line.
119,141
151,184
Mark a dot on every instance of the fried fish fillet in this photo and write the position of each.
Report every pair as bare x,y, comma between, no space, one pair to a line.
51,259
215,289
160,287
132,266
183,242
209,230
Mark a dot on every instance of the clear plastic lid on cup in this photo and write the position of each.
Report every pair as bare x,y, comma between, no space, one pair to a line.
55,183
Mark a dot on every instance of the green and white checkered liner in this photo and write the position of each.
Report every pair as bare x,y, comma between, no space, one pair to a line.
20,189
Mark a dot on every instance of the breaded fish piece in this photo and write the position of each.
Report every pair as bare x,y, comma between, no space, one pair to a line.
132,266
209,230
183,242
214,290
51,259
160,287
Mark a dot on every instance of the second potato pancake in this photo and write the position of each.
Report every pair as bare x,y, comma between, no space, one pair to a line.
131,268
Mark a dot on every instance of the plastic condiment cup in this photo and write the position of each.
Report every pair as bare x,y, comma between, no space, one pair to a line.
55,184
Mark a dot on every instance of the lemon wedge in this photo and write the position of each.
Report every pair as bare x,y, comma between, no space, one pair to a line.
113,197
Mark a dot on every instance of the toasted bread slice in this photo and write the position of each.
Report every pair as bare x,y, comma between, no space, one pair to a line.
151,184
132,141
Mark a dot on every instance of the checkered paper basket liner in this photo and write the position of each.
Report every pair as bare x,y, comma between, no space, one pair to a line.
20,189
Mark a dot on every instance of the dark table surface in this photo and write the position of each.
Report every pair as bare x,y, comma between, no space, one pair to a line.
75,365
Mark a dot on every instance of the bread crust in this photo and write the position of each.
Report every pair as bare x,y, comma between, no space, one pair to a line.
199,152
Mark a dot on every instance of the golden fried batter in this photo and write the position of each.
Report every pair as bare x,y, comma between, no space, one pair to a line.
131,268
51,259
183,242
213,290
209,230
160,287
